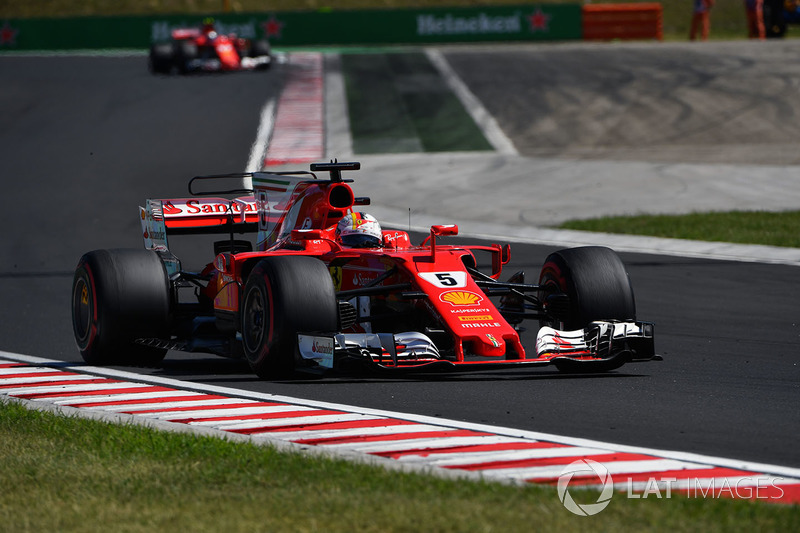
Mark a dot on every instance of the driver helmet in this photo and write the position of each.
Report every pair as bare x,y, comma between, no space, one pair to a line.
359,230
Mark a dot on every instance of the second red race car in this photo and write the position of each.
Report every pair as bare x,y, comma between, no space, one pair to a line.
322,287
203,49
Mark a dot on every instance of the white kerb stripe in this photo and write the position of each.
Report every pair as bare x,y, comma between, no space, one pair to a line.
133,408
78,401
422,444
620,467
476,458
356,432
232,411
70,388
273,422
26,370
44,380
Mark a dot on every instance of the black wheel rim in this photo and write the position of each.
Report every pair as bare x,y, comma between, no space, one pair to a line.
550,285
254,321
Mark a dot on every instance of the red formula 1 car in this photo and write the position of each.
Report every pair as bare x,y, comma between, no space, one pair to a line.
205,50
325,288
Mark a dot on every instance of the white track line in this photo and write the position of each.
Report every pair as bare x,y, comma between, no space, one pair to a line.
485,121
261,142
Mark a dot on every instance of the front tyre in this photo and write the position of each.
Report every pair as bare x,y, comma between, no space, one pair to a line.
284,295
161,58
119,296
261,48
596,285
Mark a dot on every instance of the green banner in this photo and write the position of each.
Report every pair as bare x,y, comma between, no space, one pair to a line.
545,22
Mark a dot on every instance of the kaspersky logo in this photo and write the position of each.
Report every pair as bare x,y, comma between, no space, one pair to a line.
585,468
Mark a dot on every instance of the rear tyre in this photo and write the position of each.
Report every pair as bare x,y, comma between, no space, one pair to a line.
283,296
184,52
595,282
119,296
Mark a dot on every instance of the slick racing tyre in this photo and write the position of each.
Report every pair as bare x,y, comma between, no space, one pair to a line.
119,296
184,52
283,296
161,58
260,48
595,283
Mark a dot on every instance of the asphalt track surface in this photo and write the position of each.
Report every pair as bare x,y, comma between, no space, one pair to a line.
85,139
715,103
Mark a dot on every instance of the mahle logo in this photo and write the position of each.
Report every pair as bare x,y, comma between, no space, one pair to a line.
582,468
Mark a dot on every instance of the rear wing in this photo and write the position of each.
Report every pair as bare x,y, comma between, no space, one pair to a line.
269,197
185,33
193,216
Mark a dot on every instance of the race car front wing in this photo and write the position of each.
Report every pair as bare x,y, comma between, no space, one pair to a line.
599,347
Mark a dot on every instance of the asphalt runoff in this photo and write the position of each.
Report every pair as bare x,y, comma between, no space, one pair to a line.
588,130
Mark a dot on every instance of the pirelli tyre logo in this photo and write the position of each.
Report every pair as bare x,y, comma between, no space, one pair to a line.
475,318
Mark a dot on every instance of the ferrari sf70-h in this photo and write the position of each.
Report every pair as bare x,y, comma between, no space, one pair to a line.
203,49
295,297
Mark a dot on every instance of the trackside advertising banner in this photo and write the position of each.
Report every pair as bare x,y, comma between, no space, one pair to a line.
545,22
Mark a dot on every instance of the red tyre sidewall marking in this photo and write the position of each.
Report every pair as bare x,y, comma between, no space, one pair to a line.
90,339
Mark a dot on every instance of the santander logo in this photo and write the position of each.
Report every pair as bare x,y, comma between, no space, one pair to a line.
170,209
322,347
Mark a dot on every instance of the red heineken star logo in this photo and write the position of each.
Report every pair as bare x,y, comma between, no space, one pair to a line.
273,27
8,35
539,21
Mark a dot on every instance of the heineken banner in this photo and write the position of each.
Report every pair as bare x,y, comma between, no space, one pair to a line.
402,26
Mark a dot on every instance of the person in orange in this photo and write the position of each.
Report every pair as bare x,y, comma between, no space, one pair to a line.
755,19
701,20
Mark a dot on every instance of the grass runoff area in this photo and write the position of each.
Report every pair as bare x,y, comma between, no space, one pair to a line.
727,17
62,473
743,227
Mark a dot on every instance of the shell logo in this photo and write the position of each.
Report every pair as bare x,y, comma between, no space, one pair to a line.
459,298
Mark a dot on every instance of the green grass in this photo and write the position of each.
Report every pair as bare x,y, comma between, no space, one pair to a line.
746,227
71,474
390,115
727,18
